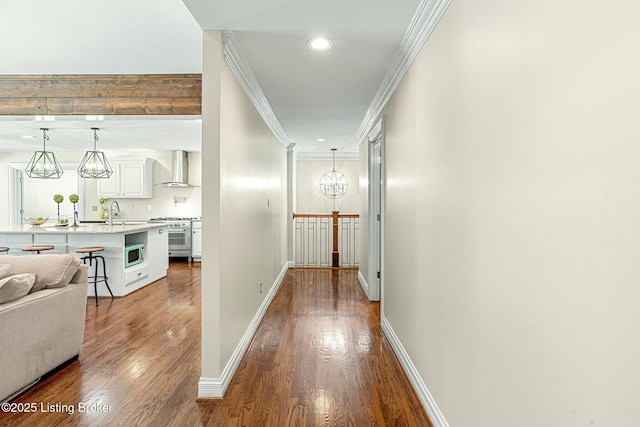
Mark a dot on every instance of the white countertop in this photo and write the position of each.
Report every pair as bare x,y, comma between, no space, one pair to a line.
82,229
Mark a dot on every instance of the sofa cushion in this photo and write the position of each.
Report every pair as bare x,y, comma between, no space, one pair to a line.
52,270
17,286
4,270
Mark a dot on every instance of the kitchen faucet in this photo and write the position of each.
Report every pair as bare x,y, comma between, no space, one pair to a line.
112,213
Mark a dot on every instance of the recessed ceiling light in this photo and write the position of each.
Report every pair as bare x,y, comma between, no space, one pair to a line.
320,140
320,43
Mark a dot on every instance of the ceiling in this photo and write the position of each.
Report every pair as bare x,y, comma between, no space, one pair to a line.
312,94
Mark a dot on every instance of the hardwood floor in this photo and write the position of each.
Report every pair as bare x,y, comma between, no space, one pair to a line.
318,359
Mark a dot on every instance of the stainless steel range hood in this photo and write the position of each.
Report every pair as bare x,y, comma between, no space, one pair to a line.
179,170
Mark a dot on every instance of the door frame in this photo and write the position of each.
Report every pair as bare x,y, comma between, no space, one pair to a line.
375,206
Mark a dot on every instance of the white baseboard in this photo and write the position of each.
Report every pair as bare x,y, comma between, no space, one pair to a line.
429,404
216,387
209,388
364,284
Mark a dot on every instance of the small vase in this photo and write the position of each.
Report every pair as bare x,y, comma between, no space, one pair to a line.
75,216
101,211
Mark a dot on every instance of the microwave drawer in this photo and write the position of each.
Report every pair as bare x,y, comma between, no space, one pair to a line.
135,273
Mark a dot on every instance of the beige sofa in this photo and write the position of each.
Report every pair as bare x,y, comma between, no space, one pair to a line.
44,328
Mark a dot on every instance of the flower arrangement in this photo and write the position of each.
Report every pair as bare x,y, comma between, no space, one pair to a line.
58,198
74,198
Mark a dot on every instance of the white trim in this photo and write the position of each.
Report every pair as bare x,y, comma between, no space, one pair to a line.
376,243
210,388
422,25
429,404
377,129
216,387
235,59
363,283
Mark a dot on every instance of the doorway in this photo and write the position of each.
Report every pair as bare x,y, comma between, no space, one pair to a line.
376,194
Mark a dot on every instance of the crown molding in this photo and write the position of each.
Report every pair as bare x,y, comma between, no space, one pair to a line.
235,59
422,25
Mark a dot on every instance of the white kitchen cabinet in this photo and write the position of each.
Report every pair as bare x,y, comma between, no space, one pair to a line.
156,252
196,240
132,178
135,274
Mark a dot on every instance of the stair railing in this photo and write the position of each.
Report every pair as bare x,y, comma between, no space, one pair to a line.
321,239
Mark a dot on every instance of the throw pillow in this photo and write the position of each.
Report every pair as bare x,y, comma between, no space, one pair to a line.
17,286
4,270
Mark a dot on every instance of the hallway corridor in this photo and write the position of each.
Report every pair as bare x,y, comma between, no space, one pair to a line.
319,358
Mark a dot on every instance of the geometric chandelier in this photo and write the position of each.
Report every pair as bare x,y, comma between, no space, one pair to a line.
333,184
94,163
43,164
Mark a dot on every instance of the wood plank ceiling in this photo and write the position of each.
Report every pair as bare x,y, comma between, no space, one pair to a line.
101,94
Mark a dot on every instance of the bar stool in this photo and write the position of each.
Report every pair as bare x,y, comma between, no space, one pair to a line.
96,278
38,248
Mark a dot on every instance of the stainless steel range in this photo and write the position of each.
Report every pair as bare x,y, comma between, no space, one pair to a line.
179,233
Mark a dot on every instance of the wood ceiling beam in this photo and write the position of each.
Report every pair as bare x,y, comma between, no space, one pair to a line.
100,94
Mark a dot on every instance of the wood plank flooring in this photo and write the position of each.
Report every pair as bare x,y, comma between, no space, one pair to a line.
318,359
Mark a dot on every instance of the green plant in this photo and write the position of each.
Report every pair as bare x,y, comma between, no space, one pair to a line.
74,198
102,200
58,198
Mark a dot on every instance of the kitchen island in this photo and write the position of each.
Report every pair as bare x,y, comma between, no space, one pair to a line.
122,279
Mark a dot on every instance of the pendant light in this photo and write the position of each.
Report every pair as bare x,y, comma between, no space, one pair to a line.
94,163
334,184
43,164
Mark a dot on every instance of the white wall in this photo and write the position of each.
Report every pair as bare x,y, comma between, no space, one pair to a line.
212,63
45,195
245,211
253,211
38,200
512,233
309,197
